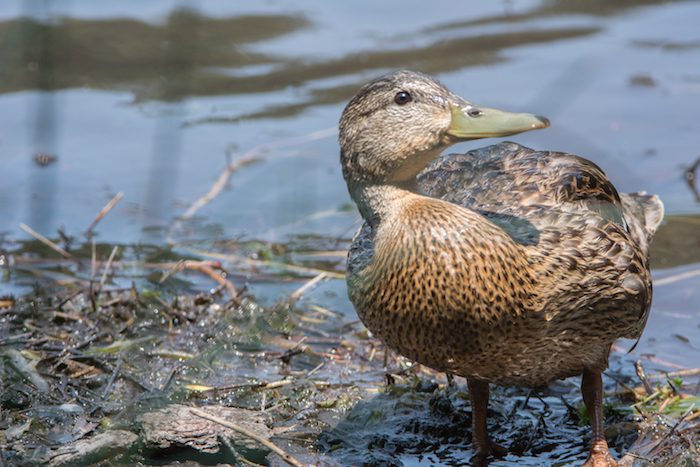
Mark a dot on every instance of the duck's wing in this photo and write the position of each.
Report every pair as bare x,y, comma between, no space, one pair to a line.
524,191
587,239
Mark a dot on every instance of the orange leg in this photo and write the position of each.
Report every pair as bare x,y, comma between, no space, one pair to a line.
592,390
479,396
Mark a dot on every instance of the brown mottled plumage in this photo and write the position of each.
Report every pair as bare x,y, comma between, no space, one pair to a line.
504,264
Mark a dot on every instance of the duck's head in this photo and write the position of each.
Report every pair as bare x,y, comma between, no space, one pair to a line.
396,124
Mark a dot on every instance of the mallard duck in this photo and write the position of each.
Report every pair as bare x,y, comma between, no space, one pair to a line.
504,265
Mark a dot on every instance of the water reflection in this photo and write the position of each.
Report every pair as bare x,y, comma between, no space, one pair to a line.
167,61
192,54
677,242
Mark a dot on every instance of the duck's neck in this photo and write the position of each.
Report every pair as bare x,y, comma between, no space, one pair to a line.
377,201
376,194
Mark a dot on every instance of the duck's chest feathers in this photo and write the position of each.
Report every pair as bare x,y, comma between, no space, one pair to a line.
440,283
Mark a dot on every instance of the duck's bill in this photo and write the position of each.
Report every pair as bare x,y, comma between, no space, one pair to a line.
474,122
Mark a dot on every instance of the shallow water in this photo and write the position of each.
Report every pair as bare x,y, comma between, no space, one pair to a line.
150,99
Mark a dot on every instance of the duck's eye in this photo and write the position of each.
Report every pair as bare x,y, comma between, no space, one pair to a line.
474,112
402,97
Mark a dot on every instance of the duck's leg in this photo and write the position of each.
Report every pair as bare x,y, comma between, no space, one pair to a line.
592,390
479,397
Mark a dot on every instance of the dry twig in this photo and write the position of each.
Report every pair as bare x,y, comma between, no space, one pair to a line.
258,385
675,426
207,267
643,377
676,374
219,184
46,241
296,295
179,266
108,266
265,442
103,212
93,271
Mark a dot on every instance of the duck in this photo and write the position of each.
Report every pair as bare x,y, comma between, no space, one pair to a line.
504,265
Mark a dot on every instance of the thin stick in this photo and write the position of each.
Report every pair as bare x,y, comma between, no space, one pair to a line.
112,378
219,184
296,295
93,260
249,434
179,266
296,349
46,241
315,369
636,456
643,377
676,374
201,266
673,428
258,385
206,267
93,271
104,211
108,266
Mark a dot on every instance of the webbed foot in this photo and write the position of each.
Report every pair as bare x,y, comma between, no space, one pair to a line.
600,456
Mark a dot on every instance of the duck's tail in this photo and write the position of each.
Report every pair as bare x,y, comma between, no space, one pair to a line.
643,214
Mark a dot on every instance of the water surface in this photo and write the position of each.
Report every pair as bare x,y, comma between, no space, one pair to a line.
153,99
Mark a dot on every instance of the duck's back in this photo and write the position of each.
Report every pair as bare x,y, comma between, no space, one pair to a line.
524,190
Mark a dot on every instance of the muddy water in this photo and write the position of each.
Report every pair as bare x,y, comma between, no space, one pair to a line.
154,99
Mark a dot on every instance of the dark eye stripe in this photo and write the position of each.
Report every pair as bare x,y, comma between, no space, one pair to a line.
402,97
